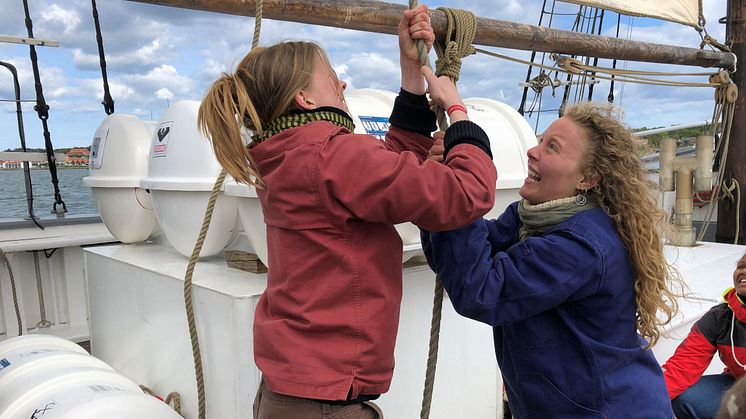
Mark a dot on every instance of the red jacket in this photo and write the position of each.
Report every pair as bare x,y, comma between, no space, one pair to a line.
326,326
711,333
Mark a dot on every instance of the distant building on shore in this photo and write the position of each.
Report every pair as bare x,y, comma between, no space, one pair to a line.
11,164
77,157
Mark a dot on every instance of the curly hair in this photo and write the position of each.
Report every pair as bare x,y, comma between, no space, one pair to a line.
627,197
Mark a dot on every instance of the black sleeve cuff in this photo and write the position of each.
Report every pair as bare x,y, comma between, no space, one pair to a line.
466,132
412,113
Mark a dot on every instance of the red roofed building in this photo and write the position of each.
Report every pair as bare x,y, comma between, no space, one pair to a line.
77,157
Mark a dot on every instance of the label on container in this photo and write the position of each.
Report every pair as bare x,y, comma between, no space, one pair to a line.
97,151
160,141
4,363
376,126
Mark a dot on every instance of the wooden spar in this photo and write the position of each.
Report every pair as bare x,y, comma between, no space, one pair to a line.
381,17
735,169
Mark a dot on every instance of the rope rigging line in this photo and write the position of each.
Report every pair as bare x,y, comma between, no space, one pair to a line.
537,93
461,29
629,78
42,109
108,102
188,301
13,293
530,67
725,98
610,98
595,59
22,136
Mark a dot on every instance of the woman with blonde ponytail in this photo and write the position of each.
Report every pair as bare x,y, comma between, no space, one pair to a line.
572,277
325,328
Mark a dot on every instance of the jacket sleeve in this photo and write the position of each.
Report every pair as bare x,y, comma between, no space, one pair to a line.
360,178
689,362
501,233
503,287
411,114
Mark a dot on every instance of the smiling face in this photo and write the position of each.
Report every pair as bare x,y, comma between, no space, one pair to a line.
325,88
739,276
554,165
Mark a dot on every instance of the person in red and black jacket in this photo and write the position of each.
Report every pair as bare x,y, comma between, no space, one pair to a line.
721,330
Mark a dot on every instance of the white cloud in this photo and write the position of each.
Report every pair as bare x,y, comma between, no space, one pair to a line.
156,55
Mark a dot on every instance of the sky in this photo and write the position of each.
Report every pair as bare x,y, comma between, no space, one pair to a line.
156,55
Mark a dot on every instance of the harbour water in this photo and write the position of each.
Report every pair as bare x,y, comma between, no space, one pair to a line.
13,204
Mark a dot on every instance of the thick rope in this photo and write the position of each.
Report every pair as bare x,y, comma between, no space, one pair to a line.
188,303
173,397
13,291
725,110
458,44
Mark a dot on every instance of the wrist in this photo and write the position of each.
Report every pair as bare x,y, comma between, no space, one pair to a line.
456,108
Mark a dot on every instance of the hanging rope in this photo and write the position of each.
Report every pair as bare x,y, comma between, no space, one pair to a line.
460,32
108,102
42,110
188,303
6,261
725,98
22,136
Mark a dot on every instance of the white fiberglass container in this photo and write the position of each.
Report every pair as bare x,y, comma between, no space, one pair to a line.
47,376
119,159
510,138
181,175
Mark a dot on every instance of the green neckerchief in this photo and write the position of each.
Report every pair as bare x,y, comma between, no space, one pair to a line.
541,217
298,118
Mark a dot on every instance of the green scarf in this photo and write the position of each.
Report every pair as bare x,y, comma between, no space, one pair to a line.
297,118
541,217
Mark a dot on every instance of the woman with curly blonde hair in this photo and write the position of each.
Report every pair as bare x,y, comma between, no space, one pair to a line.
572,277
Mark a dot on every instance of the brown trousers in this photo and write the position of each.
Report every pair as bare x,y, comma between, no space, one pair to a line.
271,405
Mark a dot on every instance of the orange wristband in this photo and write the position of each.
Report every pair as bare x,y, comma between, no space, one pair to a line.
454,108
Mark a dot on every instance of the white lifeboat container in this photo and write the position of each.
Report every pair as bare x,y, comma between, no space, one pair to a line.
181,175
119,159
47,376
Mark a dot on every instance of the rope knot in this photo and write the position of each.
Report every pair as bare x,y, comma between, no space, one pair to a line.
462,27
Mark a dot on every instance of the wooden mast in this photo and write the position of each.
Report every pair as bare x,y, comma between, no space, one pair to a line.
381,17
736,162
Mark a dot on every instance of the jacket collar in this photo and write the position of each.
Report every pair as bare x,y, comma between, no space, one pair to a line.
735,303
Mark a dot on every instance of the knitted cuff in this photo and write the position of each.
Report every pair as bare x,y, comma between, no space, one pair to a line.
412,113
466,132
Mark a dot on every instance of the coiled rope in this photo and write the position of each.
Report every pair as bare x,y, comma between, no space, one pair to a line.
189,305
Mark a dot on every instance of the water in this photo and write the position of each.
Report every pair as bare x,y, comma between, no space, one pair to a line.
76,196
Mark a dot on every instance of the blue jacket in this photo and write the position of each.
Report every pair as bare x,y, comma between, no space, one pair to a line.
562,307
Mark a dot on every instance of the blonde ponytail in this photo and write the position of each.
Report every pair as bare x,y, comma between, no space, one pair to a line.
220,118
262,89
